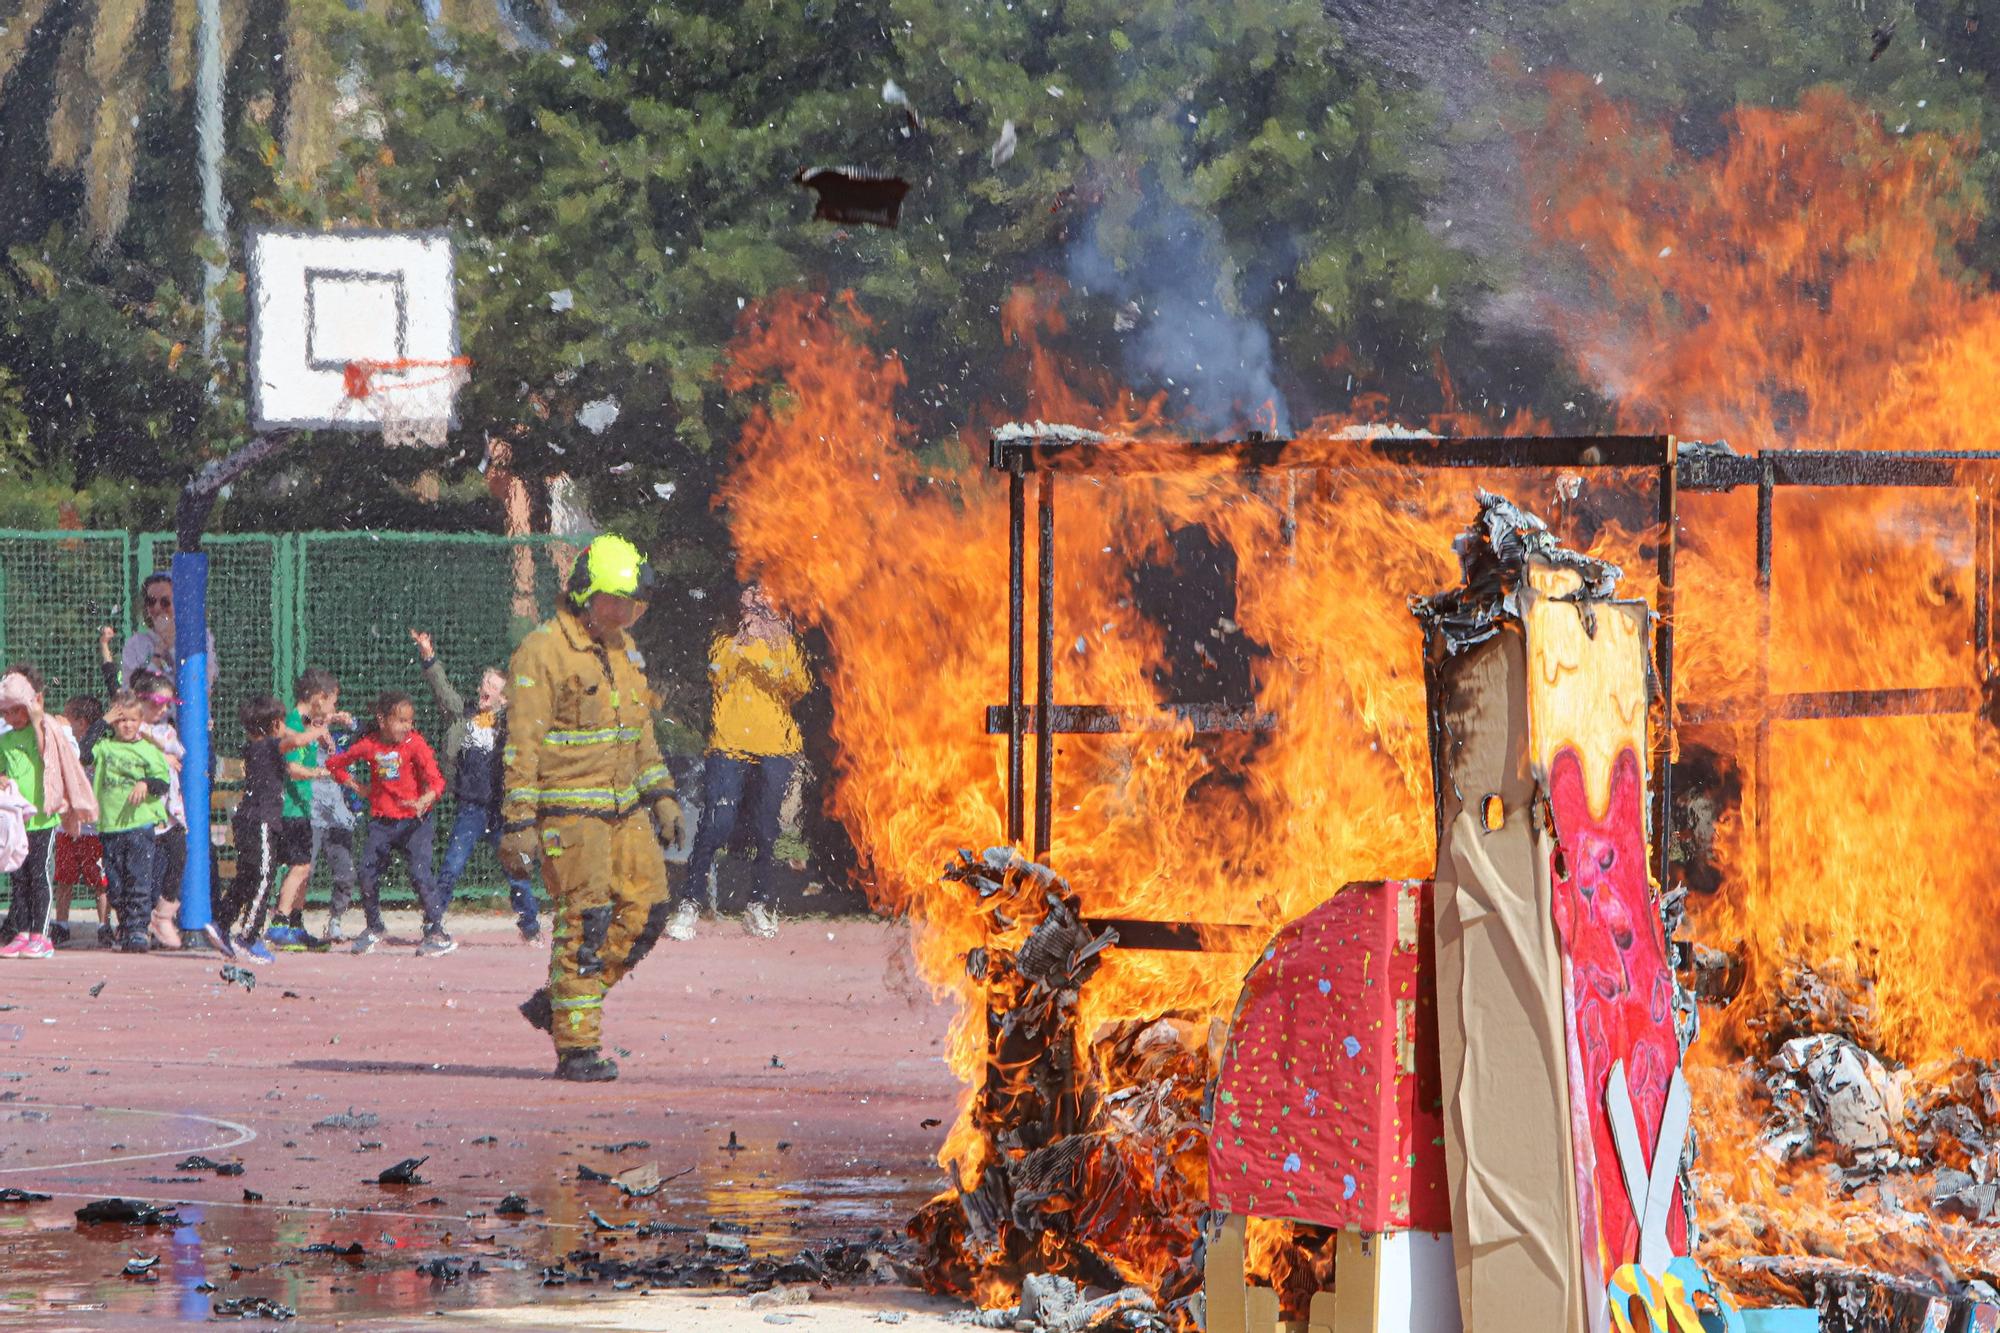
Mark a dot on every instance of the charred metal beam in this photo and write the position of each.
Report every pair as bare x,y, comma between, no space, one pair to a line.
1184,936
1668,500
1547,451
1045,663
1082,451
1104,720
1716,470
1016,651
1935,702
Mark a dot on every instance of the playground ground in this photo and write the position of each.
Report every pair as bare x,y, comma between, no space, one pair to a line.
816,1056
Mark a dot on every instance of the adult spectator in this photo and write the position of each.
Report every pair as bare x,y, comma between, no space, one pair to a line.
757,674
152,646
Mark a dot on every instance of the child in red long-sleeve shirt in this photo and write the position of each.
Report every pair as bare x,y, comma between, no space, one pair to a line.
404,782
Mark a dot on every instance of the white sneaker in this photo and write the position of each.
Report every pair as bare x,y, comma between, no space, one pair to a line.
760,921
682,926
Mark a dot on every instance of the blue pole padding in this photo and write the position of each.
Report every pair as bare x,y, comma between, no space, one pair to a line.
191,668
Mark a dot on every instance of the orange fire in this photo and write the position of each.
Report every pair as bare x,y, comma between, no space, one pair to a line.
1798,290
1794,289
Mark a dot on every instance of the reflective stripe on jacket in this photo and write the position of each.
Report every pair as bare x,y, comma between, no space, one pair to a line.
579,727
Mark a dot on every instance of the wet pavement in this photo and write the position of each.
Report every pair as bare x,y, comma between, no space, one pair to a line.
812,1051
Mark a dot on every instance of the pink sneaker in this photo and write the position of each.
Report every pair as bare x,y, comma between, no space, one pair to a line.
27,946
39,946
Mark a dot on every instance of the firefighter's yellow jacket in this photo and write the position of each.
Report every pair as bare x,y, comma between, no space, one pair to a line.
579,727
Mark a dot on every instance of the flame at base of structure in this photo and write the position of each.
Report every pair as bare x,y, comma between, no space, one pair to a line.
1096,1159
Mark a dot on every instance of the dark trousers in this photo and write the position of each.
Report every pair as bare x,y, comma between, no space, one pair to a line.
128,875
472,825
413,838
334,843
29,899
726,781
169,860
247,904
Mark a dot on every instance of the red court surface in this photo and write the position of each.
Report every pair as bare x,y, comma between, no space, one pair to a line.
816,1051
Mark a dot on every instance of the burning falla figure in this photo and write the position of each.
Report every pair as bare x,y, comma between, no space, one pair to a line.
1555,1053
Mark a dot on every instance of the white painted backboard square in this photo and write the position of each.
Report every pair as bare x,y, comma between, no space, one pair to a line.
321,300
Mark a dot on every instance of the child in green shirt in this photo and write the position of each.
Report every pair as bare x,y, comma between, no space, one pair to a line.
131,778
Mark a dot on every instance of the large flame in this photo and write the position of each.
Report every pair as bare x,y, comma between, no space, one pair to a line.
1795,288
1799,289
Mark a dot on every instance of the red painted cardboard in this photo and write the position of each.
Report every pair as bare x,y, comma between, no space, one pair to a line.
1328,1102
1619,993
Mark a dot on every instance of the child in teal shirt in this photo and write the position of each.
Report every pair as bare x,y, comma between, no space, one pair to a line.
132,779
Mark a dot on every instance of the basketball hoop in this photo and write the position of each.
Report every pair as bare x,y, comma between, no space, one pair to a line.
409,398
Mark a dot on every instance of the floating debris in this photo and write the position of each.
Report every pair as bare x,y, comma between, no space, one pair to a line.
854,194
1003,147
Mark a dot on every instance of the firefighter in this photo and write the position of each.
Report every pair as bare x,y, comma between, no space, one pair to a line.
587,793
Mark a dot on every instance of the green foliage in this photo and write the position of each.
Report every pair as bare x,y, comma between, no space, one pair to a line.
99,374
618,188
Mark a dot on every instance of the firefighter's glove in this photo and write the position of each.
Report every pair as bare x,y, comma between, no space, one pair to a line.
518,845
667,819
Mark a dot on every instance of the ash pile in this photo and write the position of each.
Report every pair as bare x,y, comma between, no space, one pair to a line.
1923,1153
1082,1176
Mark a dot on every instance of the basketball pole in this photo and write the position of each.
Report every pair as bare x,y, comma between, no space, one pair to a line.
190,574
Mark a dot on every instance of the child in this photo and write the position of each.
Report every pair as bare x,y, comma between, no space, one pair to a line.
334,814
46,771
258,825
131,781
316,697
80,856
155,695
475,740
403,784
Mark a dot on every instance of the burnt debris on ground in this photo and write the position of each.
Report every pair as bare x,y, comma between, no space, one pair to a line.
1090,1163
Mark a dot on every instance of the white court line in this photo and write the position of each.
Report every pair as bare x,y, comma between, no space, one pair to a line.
243,1135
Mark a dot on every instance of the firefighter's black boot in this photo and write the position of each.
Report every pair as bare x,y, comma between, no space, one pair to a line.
586,1066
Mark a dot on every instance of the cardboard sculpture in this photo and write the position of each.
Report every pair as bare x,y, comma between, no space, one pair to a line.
1562,1107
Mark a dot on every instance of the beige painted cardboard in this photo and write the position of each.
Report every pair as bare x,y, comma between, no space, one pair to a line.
1500,1021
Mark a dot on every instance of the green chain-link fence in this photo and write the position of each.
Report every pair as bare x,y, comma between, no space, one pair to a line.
359,594
279,603
56,588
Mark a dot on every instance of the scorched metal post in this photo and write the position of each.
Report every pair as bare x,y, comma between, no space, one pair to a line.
1045,665
1017,485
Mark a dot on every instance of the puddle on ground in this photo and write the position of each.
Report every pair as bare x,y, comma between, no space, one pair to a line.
779,1202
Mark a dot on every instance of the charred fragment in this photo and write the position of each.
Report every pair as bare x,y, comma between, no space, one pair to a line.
854,194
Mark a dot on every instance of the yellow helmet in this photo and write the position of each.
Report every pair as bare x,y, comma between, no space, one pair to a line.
611,565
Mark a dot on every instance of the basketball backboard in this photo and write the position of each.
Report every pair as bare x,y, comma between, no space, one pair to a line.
353,330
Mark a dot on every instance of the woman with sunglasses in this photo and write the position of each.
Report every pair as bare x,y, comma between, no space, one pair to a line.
152,647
